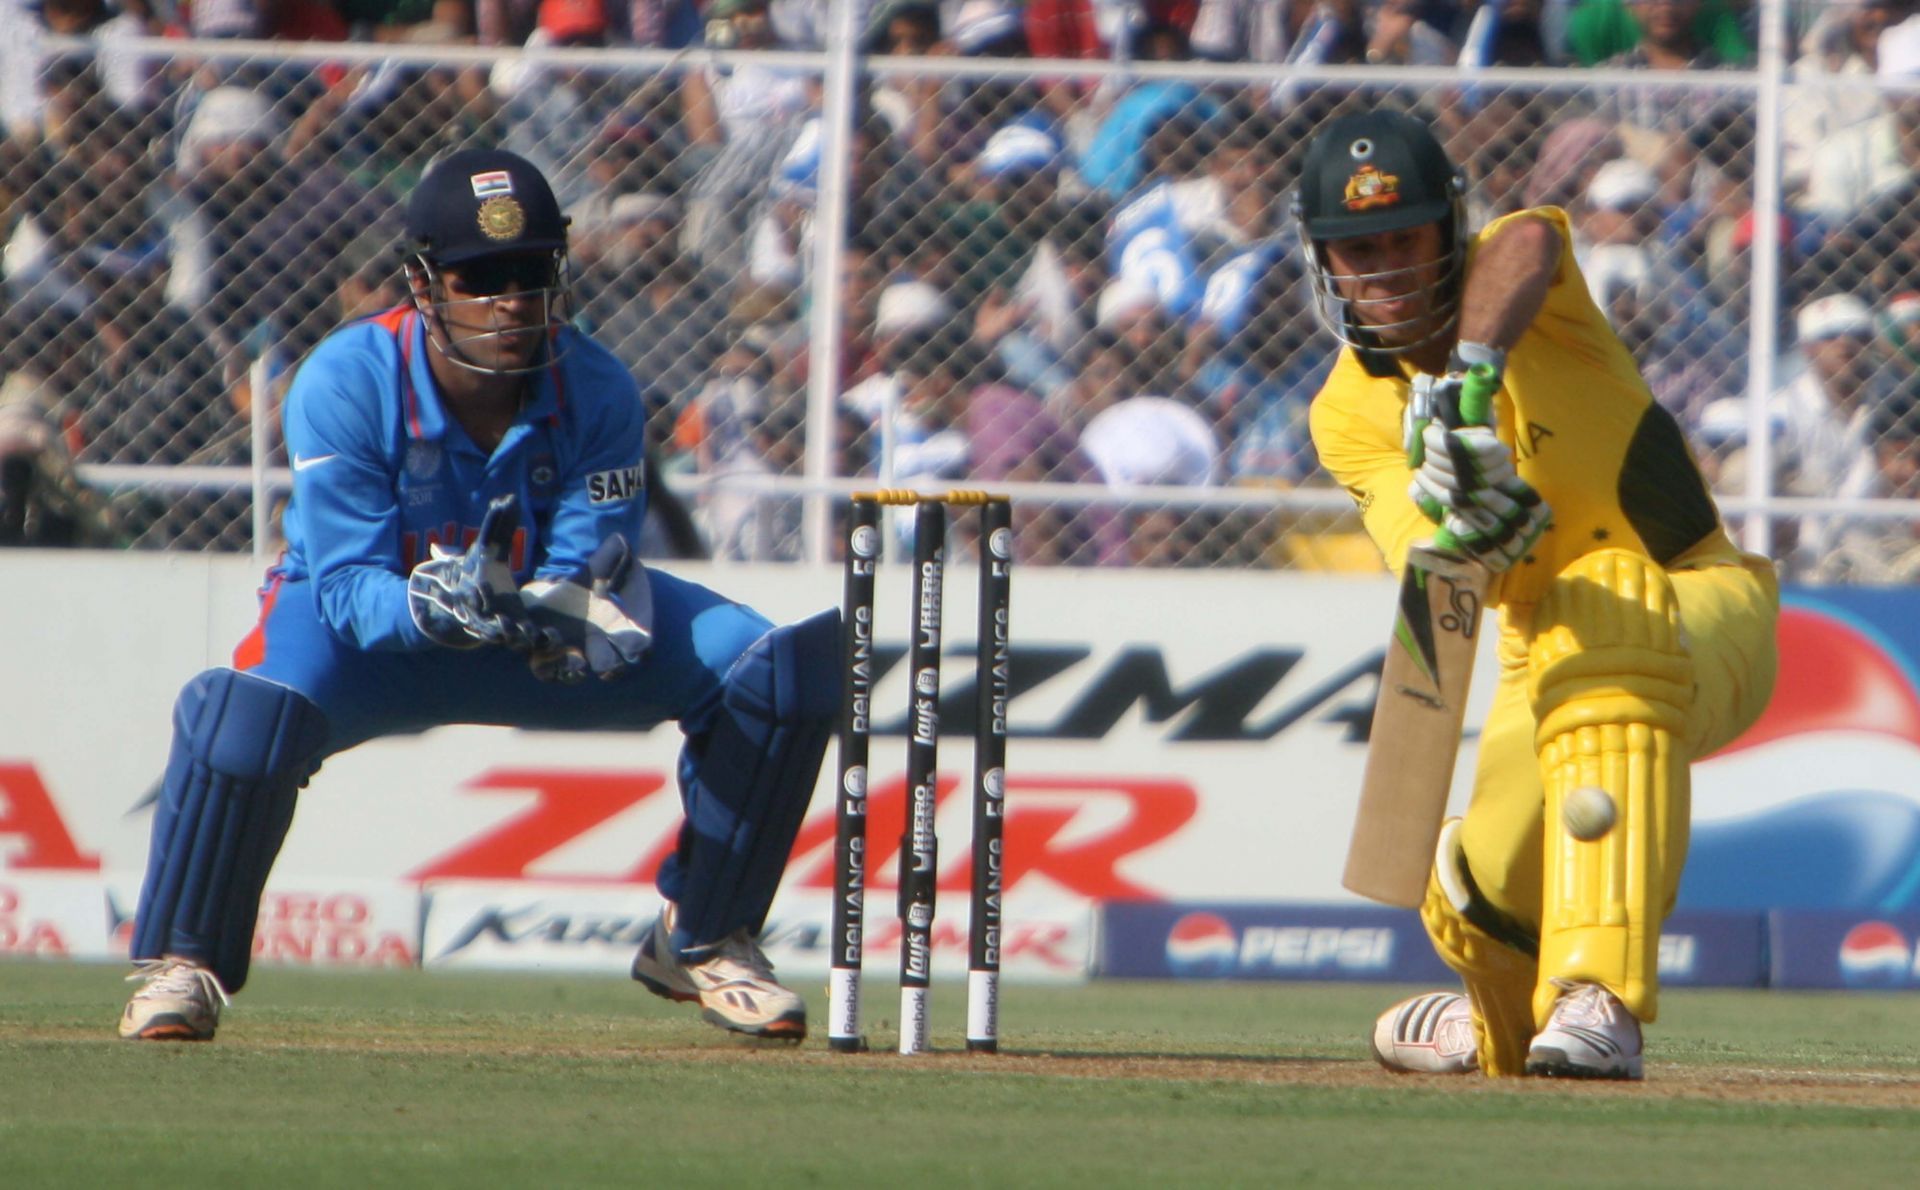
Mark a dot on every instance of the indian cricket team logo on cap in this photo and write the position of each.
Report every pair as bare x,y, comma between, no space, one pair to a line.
1369,188
502,219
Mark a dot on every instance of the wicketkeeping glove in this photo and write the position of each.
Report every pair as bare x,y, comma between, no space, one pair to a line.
600,623
464,599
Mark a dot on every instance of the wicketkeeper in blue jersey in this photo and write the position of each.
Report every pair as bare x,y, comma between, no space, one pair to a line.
466,483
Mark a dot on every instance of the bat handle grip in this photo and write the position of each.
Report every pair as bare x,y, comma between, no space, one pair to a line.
1476,409
1476,395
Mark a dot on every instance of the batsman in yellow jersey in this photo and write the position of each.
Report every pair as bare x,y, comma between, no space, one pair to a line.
1634,637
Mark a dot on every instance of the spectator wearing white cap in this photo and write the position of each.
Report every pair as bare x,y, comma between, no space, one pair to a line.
258,236
1156,441
905,309
1687,356
911,103
1877,157
1842,46
1130,309
910,305
1150,440
1639,276
1827,409
1883,552
1033,319
1233,200
1619,206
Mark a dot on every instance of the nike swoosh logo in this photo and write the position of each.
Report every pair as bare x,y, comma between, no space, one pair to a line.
314,461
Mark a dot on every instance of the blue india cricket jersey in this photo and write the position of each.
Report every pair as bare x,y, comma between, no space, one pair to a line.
381,472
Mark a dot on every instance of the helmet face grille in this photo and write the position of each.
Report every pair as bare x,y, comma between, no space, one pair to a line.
465,347
1343,317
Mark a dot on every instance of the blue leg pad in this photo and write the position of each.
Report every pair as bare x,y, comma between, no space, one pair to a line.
242,748
746,781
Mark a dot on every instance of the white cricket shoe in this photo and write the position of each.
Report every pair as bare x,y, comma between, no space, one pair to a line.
734,983
179,1001
1590,1034
1429,1034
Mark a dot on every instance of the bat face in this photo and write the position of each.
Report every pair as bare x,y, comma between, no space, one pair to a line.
1417,718
1439,598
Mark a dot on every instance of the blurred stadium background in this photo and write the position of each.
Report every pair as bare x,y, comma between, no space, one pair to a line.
949,250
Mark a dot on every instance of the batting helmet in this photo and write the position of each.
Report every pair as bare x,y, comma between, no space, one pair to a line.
1375,172
489,216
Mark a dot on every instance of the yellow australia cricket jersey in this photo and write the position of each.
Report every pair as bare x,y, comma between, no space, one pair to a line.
1584,429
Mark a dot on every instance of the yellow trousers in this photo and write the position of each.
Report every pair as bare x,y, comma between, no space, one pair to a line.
1726,613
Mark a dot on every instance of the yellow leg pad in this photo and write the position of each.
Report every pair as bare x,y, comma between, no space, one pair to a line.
1499,980
1611,684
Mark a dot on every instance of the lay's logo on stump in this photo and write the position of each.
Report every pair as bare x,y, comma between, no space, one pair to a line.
1369,188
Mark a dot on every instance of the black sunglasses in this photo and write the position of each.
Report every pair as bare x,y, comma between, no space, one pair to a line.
491,276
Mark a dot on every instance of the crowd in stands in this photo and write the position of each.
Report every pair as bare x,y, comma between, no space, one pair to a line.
1086,279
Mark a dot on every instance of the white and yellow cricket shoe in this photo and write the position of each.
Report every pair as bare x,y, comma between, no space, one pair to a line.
732,981
178,1000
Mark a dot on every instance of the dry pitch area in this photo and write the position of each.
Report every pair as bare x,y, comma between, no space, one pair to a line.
414,1079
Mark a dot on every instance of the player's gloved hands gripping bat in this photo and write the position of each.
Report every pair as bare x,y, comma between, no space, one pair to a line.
600,623
1464,478
465,599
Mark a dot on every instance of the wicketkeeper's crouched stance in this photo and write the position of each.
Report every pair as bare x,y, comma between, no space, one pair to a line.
1634,637
467,475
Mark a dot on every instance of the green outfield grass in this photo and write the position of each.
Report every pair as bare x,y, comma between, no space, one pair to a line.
411,1079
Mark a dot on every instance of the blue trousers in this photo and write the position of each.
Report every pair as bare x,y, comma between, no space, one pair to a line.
697,636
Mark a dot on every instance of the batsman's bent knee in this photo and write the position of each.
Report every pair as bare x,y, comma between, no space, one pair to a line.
242,747
1611,684
1499,974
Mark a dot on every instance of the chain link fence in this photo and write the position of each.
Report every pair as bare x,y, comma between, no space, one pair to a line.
1077,281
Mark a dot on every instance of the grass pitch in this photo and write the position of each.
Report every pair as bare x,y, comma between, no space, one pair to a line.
416,1079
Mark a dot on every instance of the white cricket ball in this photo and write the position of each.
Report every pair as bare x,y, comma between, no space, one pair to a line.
1589,812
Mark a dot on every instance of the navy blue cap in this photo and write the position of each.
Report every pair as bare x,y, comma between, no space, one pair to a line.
483,202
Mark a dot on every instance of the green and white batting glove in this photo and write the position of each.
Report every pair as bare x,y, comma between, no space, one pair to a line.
1456,466
1500,527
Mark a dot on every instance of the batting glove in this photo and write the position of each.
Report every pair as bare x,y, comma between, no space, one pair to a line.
600,624
1457,466
1500,527
1437,398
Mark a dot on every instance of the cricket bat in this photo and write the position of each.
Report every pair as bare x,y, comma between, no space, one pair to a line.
1421,706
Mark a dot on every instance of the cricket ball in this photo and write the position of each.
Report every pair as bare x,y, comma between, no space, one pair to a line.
1588,813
